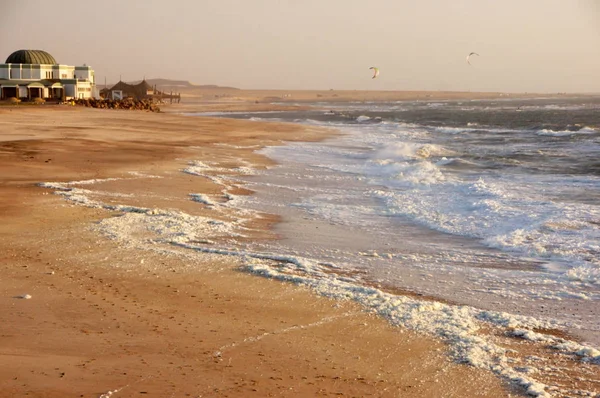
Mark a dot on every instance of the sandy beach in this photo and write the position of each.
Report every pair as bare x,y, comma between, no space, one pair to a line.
395,199
105,320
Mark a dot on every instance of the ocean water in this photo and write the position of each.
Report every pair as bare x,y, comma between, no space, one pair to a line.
476,222
492,206
488,202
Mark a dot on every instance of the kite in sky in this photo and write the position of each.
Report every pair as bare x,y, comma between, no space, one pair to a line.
375,72
469,56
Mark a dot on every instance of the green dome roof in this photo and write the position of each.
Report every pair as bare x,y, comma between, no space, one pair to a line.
30,57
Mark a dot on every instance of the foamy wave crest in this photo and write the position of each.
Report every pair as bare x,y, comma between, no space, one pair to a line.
566,235
406,163
418,173
468,210
456,162
501,215
562,133
472,127
453,130
406,150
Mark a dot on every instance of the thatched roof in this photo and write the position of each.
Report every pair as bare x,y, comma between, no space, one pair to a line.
137,91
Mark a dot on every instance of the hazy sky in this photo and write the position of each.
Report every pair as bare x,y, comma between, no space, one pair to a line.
525,45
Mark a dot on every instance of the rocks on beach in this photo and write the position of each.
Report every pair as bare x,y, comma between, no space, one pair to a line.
129,104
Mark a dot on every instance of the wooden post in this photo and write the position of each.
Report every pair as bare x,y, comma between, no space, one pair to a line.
171,97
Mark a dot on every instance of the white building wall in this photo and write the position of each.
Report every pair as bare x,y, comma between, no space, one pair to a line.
22,92
46,72
84,90
64,72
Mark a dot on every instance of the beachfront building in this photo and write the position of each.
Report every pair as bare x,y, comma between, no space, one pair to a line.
138,91
30,74
122,90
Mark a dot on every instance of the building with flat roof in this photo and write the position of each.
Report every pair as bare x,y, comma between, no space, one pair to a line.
30,74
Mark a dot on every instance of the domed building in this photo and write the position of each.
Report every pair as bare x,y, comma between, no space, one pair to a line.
34,57
30,74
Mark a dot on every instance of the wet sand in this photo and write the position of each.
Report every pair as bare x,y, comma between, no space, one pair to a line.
106,318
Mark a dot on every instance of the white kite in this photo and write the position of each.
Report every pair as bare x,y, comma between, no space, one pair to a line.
469,56
375,72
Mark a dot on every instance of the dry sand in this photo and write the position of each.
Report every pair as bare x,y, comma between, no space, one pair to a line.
105,318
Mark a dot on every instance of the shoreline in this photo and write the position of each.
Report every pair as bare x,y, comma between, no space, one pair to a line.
261,352
520,333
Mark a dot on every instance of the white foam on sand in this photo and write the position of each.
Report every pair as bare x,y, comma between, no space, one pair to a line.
201,198
196,167
238,146
138,174
459,325
203,169
228,179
